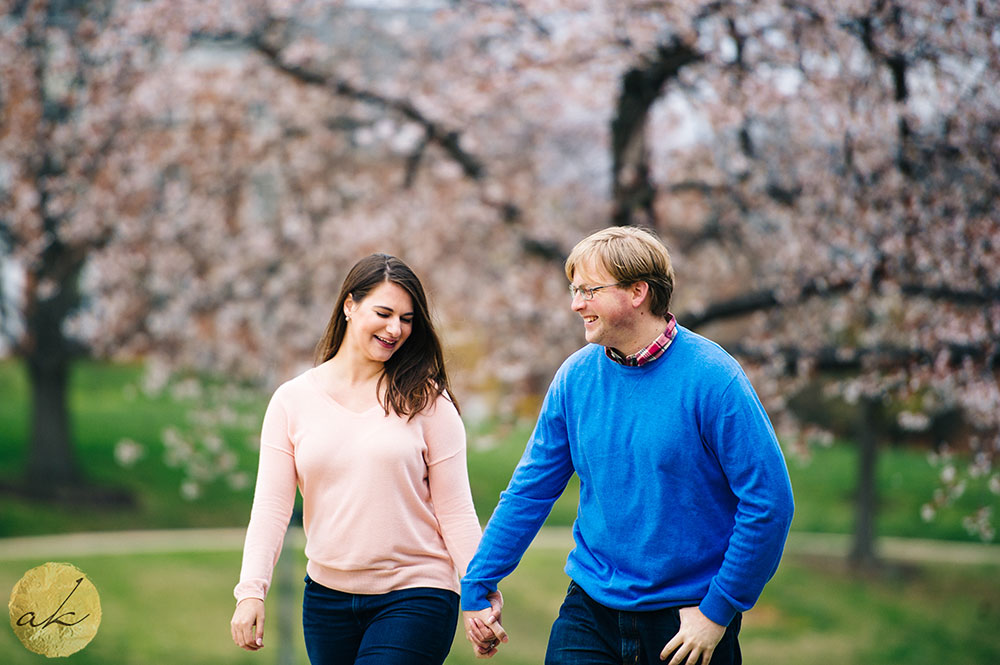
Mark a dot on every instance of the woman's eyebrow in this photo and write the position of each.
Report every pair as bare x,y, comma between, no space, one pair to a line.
390,309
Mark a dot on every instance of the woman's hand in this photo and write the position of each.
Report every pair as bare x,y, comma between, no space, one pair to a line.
483,628
247,625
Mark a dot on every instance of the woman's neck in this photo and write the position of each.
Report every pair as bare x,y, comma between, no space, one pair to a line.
352,369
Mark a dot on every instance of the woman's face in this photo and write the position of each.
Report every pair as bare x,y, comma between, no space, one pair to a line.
380,323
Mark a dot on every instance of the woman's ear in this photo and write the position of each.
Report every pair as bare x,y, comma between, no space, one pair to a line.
349,307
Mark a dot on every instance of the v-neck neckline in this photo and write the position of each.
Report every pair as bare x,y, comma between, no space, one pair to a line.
314,376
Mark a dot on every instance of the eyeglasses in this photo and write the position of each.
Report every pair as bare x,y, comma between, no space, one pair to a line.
587,291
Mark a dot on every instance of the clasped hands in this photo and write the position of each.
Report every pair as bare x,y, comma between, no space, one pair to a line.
483,629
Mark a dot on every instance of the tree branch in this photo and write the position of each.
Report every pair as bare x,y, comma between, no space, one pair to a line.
447,139
633,189
758,301
844,359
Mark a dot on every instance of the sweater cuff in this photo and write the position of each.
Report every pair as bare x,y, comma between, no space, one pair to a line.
250,589
474,596
717,607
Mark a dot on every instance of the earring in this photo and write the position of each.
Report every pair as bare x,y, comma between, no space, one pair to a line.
347,317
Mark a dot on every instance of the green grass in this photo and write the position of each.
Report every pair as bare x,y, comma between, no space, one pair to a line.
156,609
176,609
106,407
824,488
815,612
492,460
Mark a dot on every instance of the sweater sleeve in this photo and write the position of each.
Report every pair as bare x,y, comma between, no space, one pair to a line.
741,435
448,480
539,479
274,498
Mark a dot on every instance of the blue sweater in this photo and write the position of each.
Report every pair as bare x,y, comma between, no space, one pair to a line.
684,493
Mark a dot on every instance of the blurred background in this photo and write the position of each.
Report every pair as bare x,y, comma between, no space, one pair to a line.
183,185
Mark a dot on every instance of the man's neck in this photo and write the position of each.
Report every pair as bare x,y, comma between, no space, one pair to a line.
645,332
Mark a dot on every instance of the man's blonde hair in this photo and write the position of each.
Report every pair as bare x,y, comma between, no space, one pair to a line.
630,254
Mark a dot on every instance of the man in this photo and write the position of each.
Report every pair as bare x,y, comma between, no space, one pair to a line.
685,500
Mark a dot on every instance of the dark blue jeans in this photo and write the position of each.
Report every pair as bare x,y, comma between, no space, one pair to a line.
588,633
406,626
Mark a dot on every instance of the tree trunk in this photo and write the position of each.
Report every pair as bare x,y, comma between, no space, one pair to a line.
51,462
862,555
52,466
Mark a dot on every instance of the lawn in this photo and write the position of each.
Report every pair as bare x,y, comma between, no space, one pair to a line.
175,608
107,407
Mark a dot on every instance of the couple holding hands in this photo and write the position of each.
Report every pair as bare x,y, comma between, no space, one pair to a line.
685,501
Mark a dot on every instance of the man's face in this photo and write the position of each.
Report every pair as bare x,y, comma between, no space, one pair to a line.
608,317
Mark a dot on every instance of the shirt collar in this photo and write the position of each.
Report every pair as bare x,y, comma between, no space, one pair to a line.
649,353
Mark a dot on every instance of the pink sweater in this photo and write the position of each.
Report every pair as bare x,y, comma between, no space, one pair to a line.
386,501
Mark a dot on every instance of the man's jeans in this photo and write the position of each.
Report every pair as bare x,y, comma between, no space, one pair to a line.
588,633
405,627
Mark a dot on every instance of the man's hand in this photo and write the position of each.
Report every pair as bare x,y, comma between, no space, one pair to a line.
483,629
697,638
247,626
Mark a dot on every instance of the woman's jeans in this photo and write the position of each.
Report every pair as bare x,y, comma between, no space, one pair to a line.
588,633
406,626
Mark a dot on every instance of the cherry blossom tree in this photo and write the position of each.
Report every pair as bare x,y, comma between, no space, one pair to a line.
189,181
860,142
62,97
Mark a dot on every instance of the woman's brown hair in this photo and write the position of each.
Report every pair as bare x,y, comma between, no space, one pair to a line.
415,375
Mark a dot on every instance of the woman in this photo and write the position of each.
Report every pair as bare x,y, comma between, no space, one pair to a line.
372,438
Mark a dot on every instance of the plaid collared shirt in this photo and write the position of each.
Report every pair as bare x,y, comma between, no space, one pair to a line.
651,352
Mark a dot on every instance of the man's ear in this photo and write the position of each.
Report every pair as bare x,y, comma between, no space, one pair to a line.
639,294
